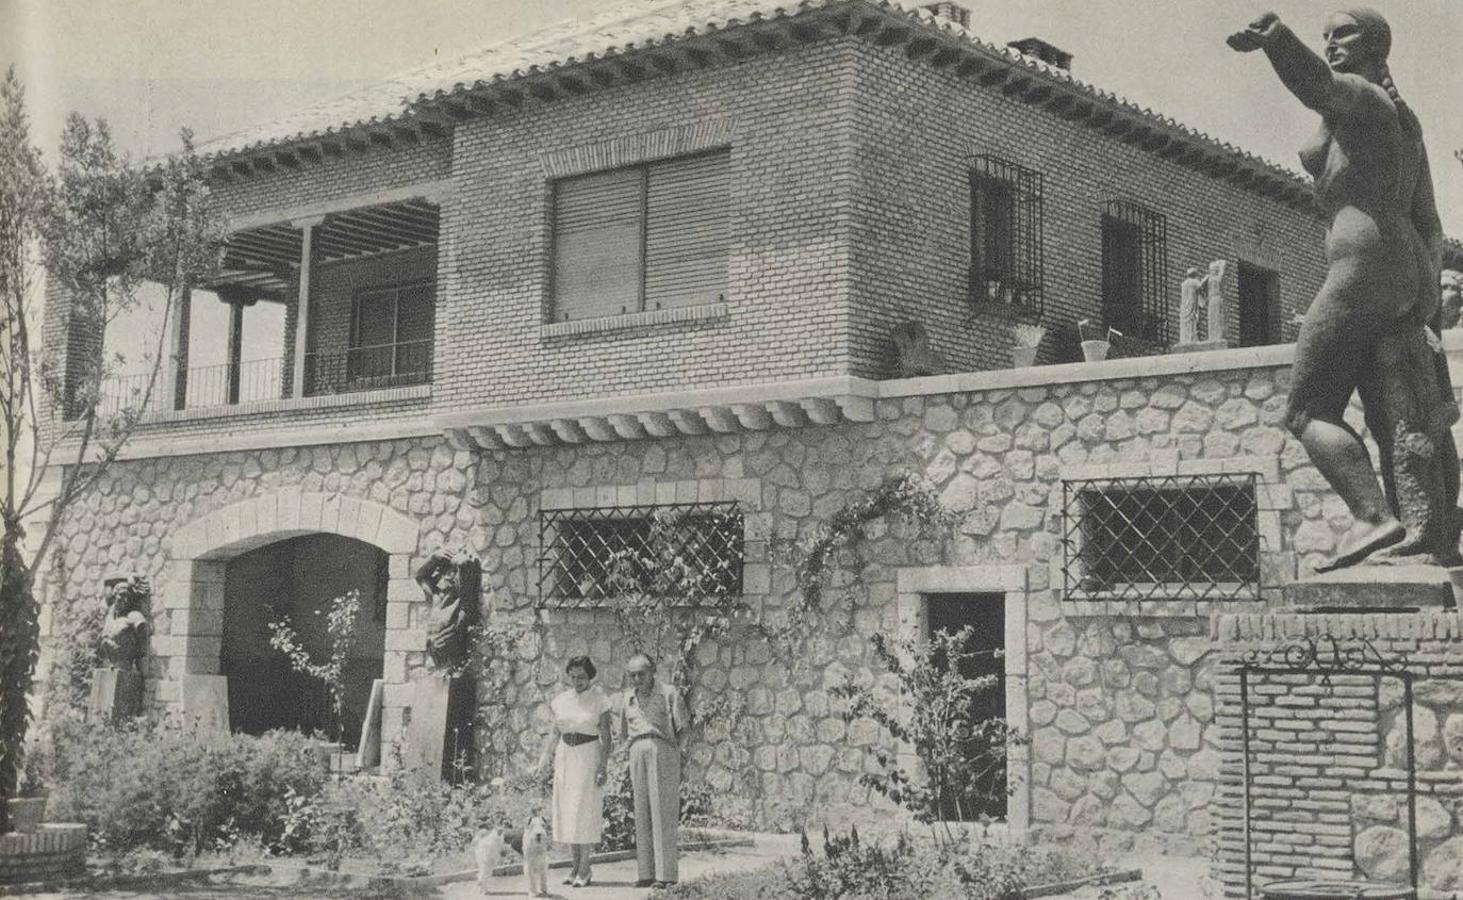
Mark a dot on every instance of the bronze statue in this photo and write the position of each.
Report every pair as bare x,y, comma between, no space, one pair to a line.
1372,327
124,632
452,583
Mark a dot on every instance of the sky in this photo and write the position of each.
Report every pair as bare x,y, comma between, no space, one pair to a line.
151,67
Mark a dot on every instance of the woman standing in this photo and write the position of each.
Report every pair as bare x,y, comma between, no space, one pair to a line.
580,749
1384,253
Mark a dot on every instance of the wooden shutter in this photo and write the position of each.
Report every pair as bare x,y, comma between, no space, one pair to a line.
687,230
597,244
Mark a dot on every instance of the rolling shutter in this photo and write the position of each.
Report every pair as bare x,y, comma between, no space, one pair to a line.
687,231
597,244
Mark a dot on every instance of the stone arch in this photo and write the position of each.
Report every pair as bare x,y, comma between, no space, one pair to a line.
189,640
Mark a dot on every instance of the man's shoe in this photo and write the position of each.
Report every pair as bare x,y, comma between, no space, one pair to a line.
664,884
645,882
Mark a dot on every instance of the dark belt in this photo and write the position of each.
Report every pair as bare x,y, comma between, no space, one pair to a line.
574,738
651,734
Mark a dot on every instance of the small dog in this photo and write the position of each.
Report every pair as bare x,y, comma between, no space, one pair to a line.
536,857
487,849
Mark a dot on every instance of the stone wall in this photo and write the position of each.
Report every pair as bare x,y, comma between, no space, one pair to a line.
1116,698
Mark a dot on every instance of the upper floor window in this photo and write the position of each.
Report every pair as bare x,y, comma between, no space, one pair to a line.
1135,270
1259,305
391,335
1006,265
646,237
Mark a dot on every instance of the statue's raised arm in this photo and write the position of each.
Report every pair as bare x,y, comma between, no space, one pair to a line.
1310,78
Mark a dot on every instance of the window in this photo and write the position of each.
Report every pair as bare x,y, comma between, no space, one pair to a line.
687,550
642,238
1190,537
1259,306
1006,264
1135,271
391,336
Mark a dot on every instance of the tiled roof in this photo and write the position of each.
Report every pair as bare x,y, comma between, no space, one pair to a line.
644,24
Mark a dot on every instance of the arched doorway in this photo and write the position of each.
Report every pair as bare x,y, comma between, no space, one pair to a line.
294,580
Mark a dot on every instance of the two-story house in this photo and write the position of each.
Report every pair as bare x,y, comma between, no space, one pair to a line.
656,260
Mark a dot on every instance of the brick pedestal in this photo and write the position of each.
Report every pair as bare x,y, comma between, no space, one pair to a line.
52,852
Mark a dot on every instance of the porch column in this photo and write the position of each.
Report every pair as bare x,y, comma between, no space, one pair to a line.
236,300
179,341
302,307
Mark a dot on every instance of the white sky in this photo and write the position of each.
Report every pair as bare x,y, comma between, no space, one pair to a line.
217,66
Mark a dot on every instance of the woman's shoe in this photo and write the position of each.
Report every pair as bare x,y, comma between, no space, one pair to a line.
570,880
580,882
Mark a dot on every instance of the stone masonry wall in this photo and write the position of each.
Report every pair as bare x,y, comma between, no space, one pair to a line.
1117,699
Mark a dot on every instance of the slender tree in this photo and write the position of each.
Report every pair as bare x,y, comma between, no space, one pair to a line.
100,228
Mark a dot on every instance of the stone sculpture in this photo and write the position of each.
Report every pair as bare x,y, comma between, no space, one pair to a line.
124,631
452,582
913,355
1214,301
1190,302
1452,298
1371,329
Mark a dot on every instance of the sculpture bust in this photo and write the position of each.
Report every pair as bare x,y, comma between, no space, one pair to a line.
451,579
124,631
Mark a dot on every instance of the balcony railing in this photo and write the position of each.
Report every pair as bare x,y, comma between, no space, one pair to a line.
368,368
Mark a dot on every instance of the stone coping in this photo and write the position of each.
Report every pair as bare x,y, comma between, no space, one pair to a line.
288,404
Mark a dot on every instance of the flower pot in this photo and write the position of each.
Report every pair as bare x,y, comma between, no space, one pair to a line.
1022,357
26,813
1094,351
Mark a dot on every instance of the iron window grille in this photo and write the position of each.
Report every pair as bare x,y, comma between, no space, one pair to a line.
1165,538
1006,236
1135,272
690,552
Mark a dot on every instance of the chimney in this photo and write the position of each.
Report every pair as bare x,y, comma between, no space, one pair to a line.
1052,56
952,11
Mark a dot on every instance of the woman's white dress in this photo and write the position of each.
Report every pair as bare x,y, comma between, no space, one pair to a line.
578,801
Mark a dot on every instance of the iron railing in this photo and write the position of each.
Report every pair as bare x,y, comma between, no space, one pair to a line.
1007,267
368,368
1161,538
1135,272
203,386
691,552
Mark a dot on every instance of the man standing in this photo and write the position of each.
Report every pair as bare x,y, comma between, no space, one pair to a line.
652,719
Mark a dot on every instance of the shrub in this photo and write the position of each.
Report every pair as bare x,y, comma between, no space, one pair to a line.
163,784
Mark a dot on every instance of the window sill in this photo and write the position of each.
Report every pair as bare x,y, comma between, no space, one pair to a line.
709,312
289,404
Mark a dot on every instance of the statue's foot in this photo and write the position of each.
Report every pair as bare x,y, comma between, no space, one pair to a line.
1363,545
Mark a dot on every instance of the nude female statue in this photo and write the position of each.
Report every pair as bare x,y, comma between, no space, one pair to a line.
1384,252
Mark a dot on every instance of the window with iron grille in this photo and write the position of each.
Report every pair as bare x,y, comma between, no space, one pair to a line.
1006,264
690,551
645,237
1135,271
1162,538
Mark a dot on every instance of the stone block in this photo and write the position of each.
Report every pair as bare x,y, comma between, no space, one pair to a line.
1381,588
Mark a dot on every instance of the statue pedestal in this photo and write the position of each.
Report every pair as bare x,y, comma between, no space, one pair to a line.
441,724
1200,346
205,698
1373,589
115,693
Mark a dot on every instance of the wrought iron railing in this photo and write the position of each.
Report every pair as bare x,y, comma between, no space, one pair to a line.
689,552
1161,538
368,368
203,386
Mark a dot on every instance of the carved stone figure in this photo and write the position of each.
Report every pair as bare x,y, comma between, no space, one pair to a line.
124,631
1190,302
1368,329
913,355
1214,299
452,583
1452,298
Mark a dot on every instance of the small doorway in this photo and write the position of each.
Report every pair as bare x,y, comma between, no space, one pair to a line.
1259,305
985,614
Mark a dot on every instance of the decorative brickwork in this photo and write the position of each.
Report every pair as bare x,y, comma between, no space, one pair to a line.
53,852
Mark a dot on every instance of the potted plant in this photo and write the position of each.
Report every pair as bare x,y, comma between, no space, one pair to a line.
1095,340
1026,339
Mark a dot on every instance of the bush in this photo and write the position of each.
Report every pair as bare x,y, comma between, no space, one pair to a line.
165,785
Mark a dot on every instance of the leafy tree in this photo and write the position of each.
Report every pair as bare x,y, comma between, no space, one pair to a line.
101,227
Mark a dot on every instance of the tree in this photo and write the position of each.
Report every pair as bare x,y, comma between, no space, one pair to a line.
101,227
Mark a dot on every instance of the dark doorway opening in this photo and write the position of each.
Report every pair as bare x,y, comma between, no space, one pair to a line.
1259,306
297,578
986,616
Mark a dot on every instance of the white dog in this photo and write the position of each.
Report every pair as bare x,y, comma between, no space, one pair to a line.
487,849
536,857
